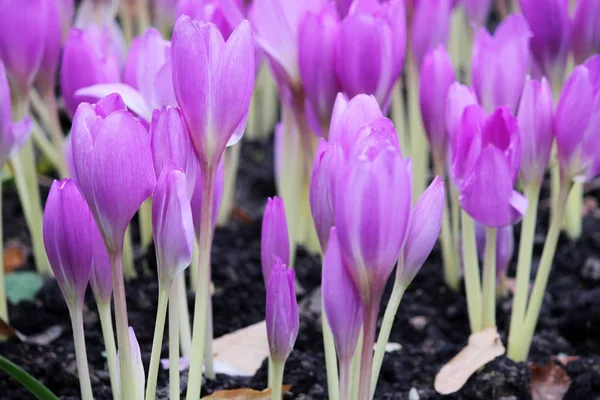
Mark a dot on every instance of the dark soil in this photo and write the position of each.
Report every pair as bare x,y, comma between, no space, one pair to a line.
431,325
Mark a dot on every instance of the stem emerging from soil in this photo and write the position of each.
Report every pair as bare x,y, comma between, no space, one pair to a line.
109,344
532,192
472,278
330,358
80,352
278,368
573,218
489,278
366,360
355,380
185,332
159,328
174,317
202,284
386,329
541,279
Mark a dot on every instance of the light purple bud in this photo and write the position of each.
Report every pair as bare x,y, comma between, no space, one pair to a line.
497,81
457,99
131,63
585,40
318,35
46,76
22,38
88,58
139,376
372,229
478,11
113,164
67,228
437,74
430,26
172,224
12,134
423,230
536,128
213,82
282,317
101,277
225,14
341,301
275,241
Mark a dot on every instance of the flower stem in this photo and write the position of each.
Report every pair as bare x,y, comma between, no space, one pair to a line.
159,328
109,344
48,149
532,192
398,116
523,344
125,362
194,264
472,278
202,285
345,374
418,141
129,271
278,368
145,218
209,368
174,316
366,359
489,278
185,332
355,380
573,218
386,329
232,161
330,359
80,352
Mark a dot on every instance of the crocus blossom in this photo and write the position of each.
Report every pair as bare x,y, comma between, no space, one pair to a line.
457,99
89,57
282,316
101,278
485,166
213,82
371,48
550,27
577,123
12,134
318,34
423,231
22,34
46,76
477,11
430,26
437,74
275,241
341,300
113,164
67,229
585,40
536,127
225,14
172,224
496,80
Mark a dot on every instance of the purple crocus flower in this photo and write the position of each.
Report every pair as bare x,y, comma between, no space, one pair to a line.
101,278
275,241
585,40
430,26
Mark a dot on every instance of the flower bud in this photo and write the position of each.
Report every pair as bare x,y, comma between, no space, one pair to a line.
275,241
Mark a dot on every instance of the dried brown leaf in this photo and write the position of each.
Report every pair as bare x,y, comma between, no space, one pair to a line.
482,348
14,257
548,382
41,339
242,215
244,394
243,350
6,329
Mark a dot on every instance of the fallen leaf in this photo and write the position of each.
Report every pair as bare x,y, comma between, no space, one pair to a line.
14,257
243,350
244,394
242,215
41,339
548,382
482,348
22,285
565,359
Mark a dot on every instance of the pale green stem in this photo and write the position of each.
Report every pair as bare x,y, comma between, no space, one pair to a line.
126,20
185,332
532,192
366,358
455,220
23,165
48,149
174,317
276,388
80,351
145,219
398,116
194,265
418,142
129,271
202,285
56,129
471,267
253,112
232,161
355,380
345,376
125,361
3,304
330,359
209,368
489,278
456,36
143,16
386,329
449,256
541,279
573,212
159,328
269,103
109,344
270,372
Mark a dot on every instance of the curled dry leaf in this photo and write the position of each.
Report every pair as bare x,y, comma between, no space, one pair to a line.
250,341
41,339
482,348
14,257
244,394
549,382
